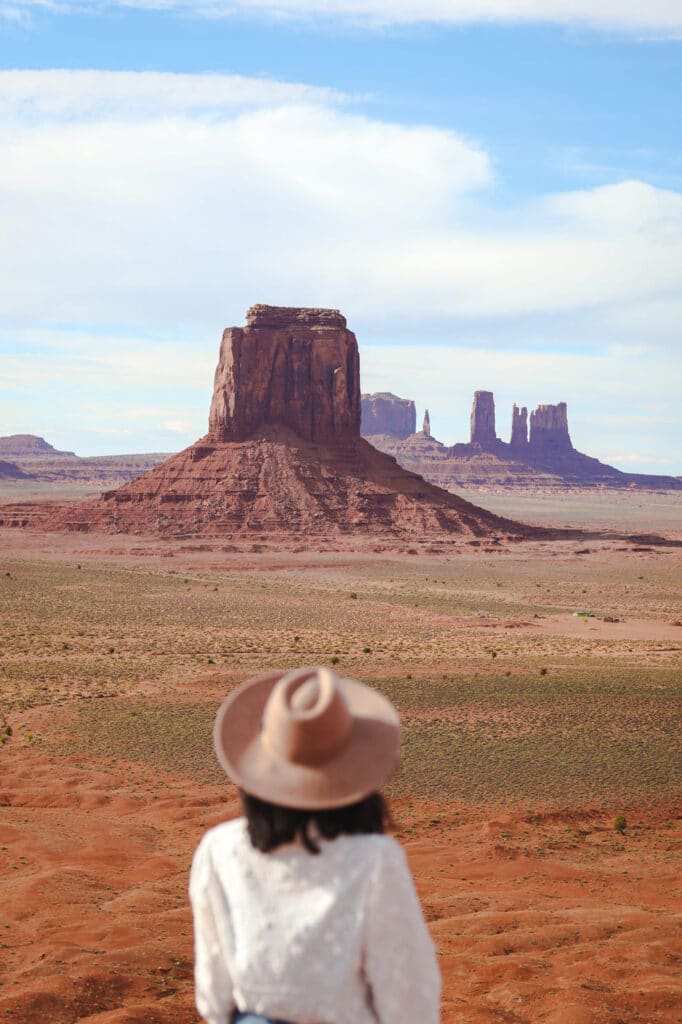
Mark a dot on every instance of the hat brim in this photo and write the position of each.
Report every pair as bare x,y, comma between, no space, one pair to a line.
365,763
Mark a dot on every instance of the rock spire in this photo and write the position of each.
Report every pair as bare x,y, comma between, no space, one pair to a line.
519,430
483,419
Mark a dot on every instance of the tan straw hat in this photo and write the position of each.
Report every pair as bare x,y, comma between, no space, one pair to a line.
307,738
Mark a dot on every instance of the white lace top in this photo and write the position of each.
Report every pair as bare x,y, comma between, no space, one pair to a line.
333,938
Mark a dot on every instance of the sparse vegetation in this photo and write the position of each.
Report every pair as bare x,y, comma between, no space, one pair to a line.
528,715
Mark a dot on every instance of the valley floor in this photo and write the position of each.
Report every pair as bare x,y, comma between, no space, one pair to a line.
527,730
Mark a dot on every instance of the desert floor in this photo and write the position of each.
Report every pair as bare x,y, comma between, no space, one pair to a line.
527,731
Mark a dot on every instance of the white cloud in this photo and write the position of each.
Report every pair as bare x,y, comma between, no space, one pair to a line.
175,214
133,95
133,200
623,15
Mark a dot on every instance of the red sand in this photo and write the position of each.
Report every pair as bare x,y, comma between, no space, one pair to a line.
538,917
550,918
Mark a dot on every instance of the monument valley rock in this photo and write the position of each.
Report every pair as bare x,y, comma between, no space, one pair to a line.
384,413
298,368
519,431
483,419
549,430
283,454
426,425
547,459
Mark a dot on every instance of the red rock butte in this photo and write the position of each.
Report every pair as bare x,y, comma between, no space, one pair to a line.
283,453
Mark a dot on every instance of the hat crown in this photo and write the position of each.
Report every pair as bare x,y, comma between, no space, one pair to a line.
306,719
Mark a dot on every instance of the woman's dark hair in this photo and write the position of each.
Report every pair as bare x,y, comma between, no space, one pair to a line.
270,825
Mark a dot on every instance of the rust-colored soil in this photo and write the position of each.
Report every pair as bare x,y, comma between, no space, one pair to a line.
527,730
536,917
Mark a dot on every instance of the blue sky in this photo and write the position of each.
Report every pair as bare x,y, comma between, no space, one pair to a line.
490,190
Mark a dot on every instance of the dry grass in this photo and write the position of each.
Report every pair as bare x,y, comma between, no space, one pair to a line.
490,714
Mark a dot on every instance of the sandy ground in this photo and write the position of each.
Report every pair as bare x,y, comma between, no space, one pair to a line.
536,917
540,910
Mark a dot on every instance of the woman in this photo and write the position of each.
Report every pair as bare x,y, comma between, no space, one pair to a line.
304,912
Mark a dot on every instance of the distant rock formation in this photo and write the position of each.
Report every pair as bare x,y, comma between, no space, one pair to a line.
384,413
27,446
483,419
519,430
37,463
426,425
10,471
283,455
544,459
549,430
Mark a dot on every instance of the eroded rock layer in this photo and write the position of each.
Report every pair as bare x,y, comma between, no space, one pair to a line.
276,483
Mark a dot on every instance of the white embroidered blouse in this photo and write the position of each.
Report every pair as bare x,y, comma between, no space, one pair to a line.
333,938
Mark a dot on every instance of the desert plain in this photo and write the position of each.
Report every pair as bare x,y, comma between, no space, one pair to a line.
527,731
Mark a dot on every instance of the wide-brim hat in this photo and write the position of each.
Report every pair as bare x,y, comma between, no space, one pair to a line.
307,738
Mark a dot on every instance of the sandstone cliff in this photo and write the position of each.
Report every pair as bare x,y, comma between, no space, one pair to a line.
483,419
298,368
384,413
549,430
519,430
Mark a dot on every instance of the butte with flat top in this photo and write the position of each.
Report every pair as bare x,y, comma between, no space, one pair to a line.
283,453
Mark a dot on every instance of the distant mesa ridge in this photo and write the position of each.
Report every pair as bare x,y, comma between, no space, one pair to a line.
384,413
539,453
284,453
27,446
